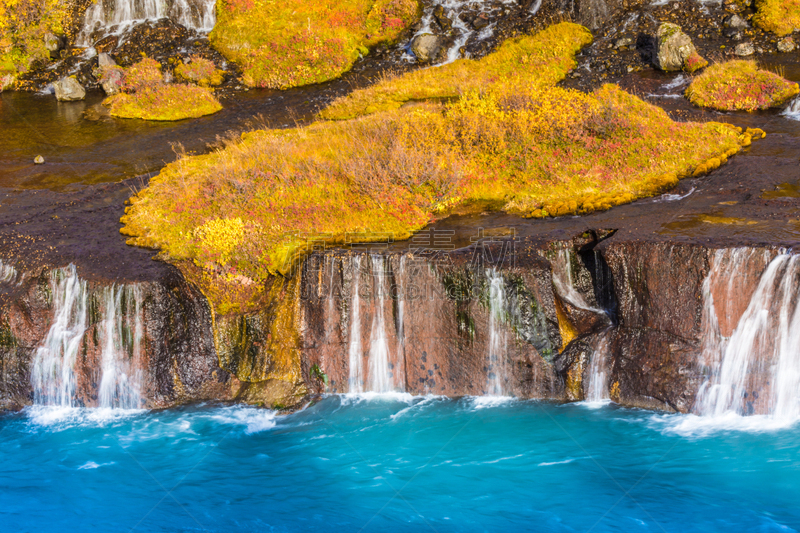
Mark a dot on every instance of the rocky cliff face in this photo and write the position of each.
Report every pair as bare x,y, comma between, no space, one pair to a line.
508,316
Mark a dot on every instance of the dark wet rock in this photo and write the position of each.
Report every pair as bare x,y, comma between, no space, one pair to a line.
480,21
744,49
442,19
426,47
68,90
786,45
673,47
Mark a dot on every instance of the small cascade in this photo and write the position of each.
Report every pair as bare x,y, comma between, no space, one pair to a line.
564,282
53,373
8,274
597,386
792,111
115,17
497,335
461,14
380,376
121,333
356,381
756,370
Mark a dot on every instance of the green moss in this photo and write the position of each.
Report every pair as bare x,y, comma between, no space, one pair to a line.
739,85
297,42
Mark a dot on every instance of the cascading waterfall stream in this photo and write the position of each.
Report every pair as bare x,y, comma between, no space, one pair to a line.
380,378
120,331
792,111
565,286
53,373
597,387
115,18
356,381
454,10
121,356
757,369
497,336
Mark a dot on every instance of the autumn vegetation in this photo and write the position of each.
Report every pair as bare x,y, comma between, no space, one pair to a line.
492,134
739,85
145,95
781,17
23,25
296,42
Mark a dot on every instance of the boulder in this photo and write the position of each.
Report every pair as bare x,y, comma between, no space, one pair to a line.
69,90
426,47
112,80
744,49
6,82
673,47
623,42
105,60
38,160
735,21
786,45
480,22
53,43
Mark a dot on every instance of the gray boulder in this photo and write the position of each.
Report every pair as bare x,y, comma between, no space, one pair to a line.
673,47
426,47
69,90
52,42
112,81
744,49
105,60
735,21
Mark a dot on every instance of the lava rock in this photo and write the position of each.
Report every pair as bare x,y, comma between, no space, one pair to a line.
786,45
441,17
673,47
105,60
735,21
480,22
38,160
426,47
744,49
68,90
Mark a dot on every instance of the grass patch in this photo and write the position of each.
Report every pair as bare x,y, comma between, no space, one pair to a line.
739,85
540,62
201,71
253,208
295,42
23,25
781,17
147,97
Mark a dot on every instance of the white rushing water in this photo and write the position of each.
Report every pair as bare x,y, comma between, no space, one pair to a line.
53,374
356,381
380,379
8,274
497,335
792,111
756,370
120,332
116,17
597,387
563,280
463,31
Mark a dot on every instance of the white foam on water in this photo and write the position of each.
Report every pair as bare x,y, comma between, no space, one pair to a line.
672,197
792,111
254,419
59,418
704,426
91,465
564,462
351,398
486,402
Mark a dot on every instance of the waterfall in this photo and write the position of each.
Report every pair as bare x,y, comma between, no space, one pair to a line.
757,369
497,336
53,375
121,348
564,282
792,111
119,333
354,350
116,17
8,274
454,10
401,305
597,387
380,378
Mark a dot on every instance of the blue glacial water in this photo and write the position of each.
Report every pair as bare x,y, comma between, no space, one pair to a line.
397,463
